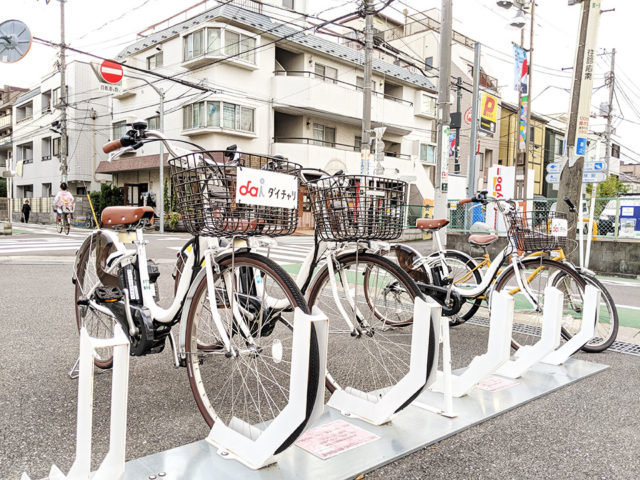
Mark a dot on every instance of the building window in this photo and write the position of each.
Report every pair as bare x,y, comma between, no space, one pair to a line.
219,114
357,144
194,45
428,105
25,191
119,129
153,123
55,147
218,42
24,112
56,101
45,102
323,135
328,74
24,152
559,146
428,63
154,61
287,4
46,190
81,190
427,153
46,148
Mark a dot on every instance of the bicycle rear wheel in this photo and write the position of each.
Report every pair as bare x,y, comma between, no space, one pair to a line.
67,224
537,274
59,225
379,357
253,383
607,326
87,278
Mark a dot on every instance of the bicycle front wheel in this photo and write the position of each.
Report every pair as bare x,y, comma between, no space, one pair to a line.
378,356
537,274
252,382
88,277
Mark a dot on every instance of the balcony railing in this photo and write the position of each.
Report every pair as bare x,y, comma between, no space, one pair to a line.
307,73
5,121
328,144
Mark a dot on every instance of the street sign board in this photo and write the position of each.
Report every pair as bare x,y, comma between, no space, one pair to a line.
593,177
111,72
552,178
581,146
587,177
555,167
595,166
488,113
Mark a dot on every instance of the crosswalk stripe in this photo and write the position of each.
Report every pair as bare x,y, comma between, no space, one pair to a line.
38,249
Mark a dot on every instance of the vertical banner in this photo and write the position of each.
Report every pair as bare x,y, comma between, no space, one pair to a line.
444,184
523,121
521,70
452,144
501,184
488,113
584,102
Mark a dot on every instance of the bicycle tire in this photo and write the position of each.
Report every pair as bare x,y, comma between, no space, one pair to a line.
371,373
605,335
527,322
86,277
59,224
468,267
197,358
67,225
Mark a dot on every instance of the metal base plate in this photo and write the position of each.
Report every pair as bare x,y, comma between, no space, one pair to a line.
411,430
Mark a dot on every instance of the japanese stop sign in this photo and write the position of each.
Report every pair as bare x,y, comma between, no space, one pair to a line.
111,72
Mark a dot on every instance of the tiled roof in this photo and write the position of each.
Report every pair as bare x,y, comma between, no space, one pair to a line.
264,24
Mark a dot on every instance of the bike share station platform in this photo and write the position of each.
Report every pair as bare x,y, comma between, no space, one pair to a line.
356,432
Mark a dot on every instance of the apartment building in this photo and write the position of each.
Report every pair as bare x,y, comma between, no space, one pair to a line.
37,137
8,95
414,44
282,92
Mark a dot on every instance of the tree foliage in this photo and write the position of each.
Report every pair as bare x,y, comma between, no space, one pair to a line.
107,196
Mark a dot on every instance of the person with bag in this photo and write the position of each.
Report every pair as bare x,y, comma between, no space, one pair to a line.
64,203
26,211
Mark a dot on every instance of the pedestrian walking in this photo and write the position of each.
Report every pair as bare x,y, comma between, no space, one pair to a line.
26,211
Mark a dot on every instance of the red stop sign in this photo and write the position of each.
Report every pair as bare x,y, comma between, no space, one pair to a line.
111,72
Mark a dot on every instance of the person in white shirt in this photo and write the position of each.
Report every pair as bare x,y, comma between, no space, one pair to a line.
63,201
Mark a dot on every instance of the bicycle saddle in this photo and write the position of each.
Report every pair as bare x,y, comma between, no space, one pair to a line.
112,216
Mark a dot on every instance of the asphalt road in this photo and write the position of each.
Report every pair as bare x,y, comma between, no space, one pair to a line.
588,430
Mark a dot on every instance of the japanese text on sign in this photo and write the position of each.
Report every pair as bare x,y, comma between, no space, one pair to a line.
266,189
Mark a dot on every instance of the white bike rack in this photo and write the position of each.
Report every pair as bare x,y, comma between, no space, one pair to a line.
528,355
234,441
498,352
590,315
112,467
377,409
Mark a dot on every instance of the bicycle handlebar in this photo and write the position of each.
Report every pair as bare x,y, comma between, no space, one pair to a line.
112,146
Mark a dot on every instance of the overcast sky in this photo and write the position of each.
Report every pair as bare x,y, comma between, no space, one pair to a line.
104,27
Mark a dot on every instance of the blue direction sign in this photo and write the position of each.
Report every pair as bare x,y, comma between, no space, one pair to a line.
581,146
552,177
587,177
555,167
597,166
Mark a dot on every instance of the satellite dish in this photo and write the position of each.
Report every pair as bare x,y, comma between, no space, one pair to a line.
15,41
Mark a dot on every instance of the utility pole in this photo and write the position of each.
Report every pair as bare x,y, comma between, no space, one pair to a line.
365,146
579,109
64,147
161,196
442,150
611,80
471,168
528,143
459,118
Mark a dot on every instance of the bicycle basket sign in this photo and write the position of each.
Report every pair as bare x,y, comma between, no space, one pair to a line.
559,227
266,189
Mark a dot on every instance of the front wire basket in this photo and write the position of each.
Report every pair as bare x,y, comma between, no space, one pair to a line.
204,186
533,231
349,208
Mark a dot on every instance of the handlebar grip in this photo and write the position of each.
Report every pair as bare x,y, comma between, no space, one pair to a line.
465,200
112,146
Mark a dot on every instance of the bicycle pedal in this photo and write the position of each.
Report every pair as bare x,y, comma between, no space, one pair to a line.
108,294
